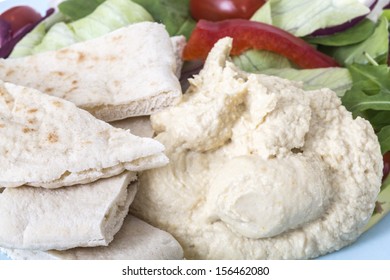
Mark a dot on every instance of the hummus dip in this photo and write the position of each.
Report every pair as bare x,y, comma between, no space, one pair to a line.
260,168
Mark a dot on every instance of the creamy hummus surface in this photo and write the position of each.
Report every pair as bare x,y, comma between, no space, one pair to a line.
260,168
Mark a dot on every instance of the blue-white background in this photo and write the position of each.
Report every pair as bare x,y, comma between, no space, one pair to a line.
372,245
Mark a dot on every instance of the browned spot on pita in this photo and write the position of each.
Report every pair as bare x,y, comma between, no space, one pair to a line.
9,72
80,57
49,90
57,104
59,73
71,90
31,111
32,121
62,54
2,125
116,38
111,57
3,91
52,137
116,83
74,82
27,130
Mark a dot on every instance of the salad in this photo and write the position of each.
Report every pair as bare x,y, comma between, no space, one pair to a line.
343,46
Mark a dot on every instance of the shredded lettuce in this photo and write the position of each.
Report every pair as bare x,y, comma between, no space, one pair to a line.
303,17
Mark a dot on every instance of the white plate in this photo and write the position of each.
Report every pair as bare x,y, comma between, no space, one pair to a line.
372,245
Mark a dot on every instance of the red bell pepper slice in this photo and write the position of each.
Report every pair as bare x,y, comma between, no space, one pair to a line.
248,34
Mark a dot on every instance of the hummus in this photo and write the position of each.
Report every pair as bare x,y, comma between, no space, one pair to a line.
260,168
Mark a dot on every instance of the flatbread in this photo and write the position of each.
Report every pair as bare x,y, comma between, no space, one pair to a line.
136,240
128,72
140,126
178,43
49,142
80,216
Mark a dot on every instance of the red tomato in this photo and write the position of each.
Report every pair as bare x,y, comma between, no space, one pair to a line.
215,10
386,165
247,35
20,16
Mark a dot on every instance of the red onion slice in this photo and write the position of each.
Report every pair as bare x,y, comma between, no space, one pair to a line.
342,27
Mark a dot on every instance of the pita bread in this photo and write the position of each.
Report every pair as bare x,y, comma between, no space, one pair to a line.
81,216
49,142
140,126
136,240
178,42
128,72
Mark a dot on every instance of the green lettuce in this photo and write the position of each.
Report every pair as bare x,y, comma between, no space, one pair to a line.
303,17
59,36
174,14
337,79
369,98
353,35
26,45
376,46
107,17
77,9
254,61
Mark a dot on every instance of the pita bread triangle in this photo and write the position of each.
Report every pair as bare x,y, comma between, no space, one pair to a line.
136,240
80,216
128,72
48,142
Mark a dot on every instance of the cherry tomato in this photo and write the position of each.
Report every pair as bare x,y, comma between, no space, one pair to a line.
386,165
20,16
215,10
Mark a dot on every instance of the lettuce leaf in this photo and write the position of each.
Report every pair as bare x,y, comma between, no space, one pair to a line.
254,61
58,36
369,98
264,62
26,45
174,14
337,79
109,16
303,17
376,46
370,90
384,139
353,35
76,9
